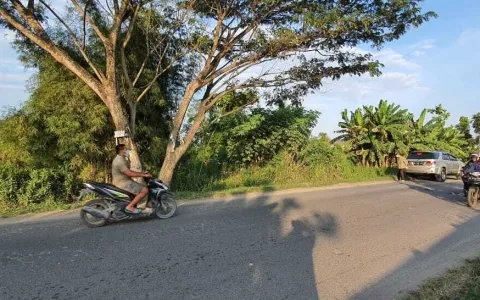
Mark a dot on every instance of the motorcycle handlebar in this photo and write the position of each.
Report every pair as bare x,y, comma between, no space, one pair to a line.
151,178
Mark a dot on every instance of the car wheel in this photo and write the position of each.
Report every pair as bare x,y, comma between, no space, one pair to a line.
442,176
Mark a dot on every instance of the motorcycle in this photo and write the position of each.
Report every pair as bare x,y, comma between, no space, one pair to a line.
473,191
110,207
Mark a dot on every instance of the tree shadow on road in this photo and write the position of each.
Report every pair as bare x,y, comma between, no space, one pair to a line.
450,192
240,249
451,250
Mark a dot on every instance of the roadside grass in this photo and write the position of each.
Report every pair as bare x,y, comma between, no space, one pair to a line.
280,175
245,181
240,190
6,212
462,283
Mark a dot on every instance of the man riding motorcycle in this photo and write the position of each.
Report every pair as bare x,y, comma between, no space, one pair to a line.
472,166
122,178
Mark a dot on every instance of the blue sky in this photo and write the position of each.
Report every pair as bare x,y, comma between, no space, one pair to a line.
438,63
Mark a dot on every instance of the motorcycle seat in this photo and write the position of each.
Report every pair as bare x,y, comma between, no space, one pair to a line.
111,187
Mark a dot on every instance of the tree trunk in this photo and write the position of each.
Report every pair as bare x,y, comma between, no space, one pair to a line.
133,117
174,154
168,167
122,122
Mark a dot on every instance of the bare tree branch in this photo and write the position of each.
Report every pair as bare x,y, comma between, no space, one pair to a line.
131,26
123,59
118,20
90,22
28,16
99,75
85,24
58,54
158,72
116,5
234,110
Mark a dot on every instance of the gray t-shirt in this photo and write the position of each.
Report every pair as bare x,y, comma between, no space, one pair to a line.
120,165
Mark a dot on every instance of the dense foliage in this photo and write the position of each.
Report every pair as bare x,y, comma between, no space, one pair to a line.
45,154
119,53
174,75
374,134
243,139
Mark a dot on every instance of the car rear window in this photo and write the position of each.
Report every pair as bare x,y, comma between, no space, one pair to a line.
423,155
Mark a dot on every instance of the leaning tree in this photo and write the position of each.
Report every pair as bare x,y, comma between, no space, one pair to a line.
72,36
283,49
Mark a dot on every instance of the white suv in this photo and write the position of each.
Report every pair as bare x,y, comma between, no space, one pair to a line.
435,163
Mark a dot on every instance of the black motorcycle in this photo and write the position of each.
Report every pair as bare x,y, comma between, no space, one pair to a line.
473,192
113,201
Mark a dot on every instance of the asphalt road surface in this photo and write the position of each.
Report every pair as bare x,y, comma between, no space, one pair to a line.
368,242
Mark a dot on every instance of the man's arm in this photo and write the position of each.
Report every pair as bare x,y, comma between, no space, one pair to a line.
122,166
131,173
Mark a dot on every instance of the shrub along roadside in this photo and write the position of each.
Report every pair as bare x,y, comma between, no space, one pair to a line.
25,190
255,183
317,163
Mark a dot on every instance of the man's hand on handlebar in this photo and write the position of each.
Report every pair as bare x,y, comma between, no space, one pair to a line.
147,175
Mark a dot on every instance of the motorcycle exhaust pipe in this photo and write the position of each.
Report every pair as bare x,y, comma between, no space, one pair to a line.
96,212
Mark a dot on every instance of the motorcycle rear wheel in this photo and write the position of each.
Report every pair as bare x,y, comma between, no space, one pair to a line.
472,197
166,208
90,220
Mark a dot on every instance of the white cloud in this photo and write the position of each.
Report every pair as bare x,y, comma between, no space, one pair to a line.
423,45
12,86
468,36
11,65
393,59
314,103
389,57
364,87
399,74
418,53
6,39
421,48
14,78
397,80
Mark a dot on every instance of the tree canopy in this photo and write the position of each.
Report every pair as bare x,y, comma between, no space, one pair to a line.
376,133
217,42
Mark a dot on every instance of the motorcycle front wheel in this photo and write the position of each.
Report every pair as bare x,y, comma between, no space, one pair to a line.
92,221
167,207
472,196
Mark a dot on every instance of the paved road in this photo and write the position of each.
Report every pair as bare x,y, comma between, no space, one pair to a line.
370,242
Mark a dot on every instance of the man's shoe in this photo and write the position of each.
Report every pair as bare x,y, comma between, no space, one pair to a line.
136,211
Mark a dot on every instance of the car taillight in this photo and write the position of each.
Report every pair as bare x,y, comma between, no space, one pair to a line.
430,163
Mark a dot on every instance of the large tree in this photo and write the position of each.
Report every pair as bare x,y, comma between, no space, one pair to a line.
294,46
119,49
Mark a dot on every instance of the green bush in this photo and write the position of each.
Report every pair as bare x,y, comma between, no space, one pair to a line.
20,187
317,163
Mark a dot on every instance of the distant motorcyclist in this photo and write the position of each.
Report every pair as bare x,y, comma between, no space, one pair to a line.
472,166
